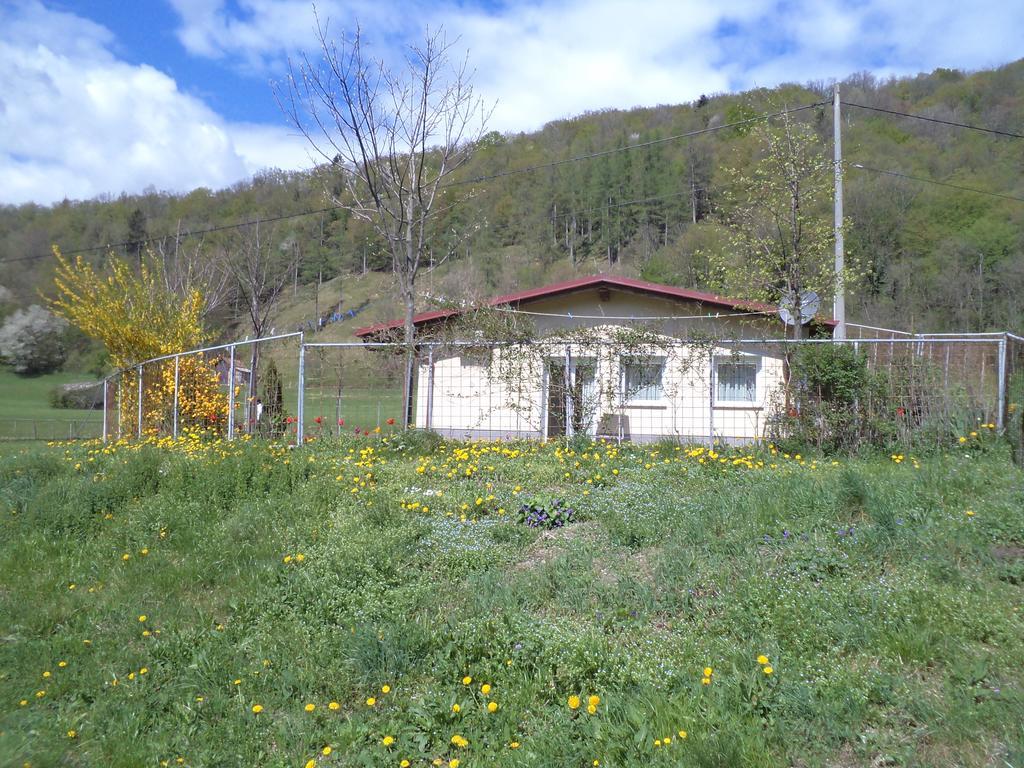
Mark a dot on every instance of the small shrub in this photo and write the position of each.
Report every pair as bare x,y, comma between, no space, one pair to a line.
541,513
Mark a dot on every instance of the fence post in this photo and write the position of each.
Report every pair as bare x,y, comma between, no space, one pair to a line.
120,404
106,385
300,406
177,371
140,402
231,392
568,377
430,389
711,396
1001,400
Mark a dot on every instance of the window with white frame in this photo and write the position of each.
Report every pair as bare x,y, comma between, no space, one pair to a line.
642,379
736,379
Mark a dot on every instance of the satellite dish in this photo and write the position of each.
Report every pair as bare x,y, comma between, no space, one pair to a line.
810,302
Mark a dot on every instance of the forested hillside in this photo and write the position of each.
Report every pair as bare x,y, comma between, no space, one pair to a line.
940,258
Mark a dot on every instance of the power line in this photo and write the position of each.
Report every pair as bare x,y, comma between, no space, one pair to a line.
178,235
981,128
476,180
642,145
938,183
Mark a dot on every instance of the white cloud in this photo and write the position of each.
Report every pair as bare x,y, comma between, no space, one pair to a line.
547,59
77,122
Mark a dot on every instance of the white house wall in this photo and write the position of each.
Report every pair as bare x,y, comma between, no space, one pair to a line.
502,394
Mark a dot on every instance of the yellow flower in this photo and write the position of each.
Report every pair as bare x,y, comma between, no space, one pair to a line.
969,513
592,709
682,734
574,702
334,706
667,740
326,751
46,673
485,689
762,659
299,557
460,741
287,558
513,745
385,689
23,703
310,707
768,670
126,557
144,670
708,671
72,734
311,763
404,764
257,708
387,741
657,742
492,706
593,701
62,664
467,680
454,762
456,708
705,681
371,701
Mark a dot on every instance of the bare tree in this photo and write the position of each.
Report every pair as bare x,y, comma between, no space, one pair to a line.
394,136
188,267
260,270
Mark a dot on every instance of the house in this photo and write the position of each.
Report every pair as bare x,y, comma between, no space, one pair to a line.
610,357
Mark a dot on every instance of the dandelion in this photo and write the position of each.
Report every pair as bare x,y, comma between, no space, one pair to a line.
657,743
126,557
767,670
492,706
46,674
593,701
513,745
334,706
326,750
310,707
456,708
40,693
467,680
311,763
682,734
257,708
460,741
23,703
592,709
969,513
574,702
72,734
387,741
705,681
453,763
667,740
385,689
708,671
144,670
762,659
404,764
371,701
485,689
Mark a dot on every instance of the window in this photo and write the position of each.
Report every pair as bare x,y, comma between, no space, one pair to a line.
736,380
642,379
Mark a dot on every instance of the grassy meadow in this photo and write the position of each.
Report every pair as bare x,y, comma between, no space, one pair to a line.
382,601
25,400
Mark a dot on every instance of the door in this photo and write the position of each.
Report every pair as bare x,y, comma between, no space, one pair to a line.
571,400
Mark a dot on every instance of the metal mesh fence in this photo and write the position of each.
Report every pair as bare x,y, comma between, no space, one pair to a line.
896,389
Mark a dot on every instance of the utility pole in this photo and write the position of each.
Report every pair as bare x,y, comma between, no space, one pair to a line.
839,308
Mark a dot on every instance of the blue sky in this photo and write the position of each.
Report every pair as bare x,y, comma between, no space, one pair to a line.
100,97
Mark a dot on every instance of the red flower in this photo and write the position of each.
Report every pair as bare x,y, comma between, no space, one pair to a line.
390,422
900,411
341,422
357,430
290,419
318,419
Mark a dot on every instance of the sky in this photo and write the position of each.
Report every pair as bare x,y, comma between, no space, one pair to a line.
101,97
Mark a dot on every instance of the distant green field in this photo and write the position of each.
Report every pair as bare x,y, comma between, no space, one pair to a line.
25,410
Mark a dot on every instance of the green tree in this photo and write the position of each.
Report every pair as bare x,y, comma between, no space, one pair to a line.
777,210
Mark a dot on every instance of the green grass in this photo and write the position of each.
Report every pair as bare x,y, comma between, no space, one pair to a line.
891,616
25,409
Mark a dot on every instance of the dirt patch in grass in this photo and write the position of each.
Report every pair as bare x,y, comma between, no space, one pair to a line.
1009,553
552,544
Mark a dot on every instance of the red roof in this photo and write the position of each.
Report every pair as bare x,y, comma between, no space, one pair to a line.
592,281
